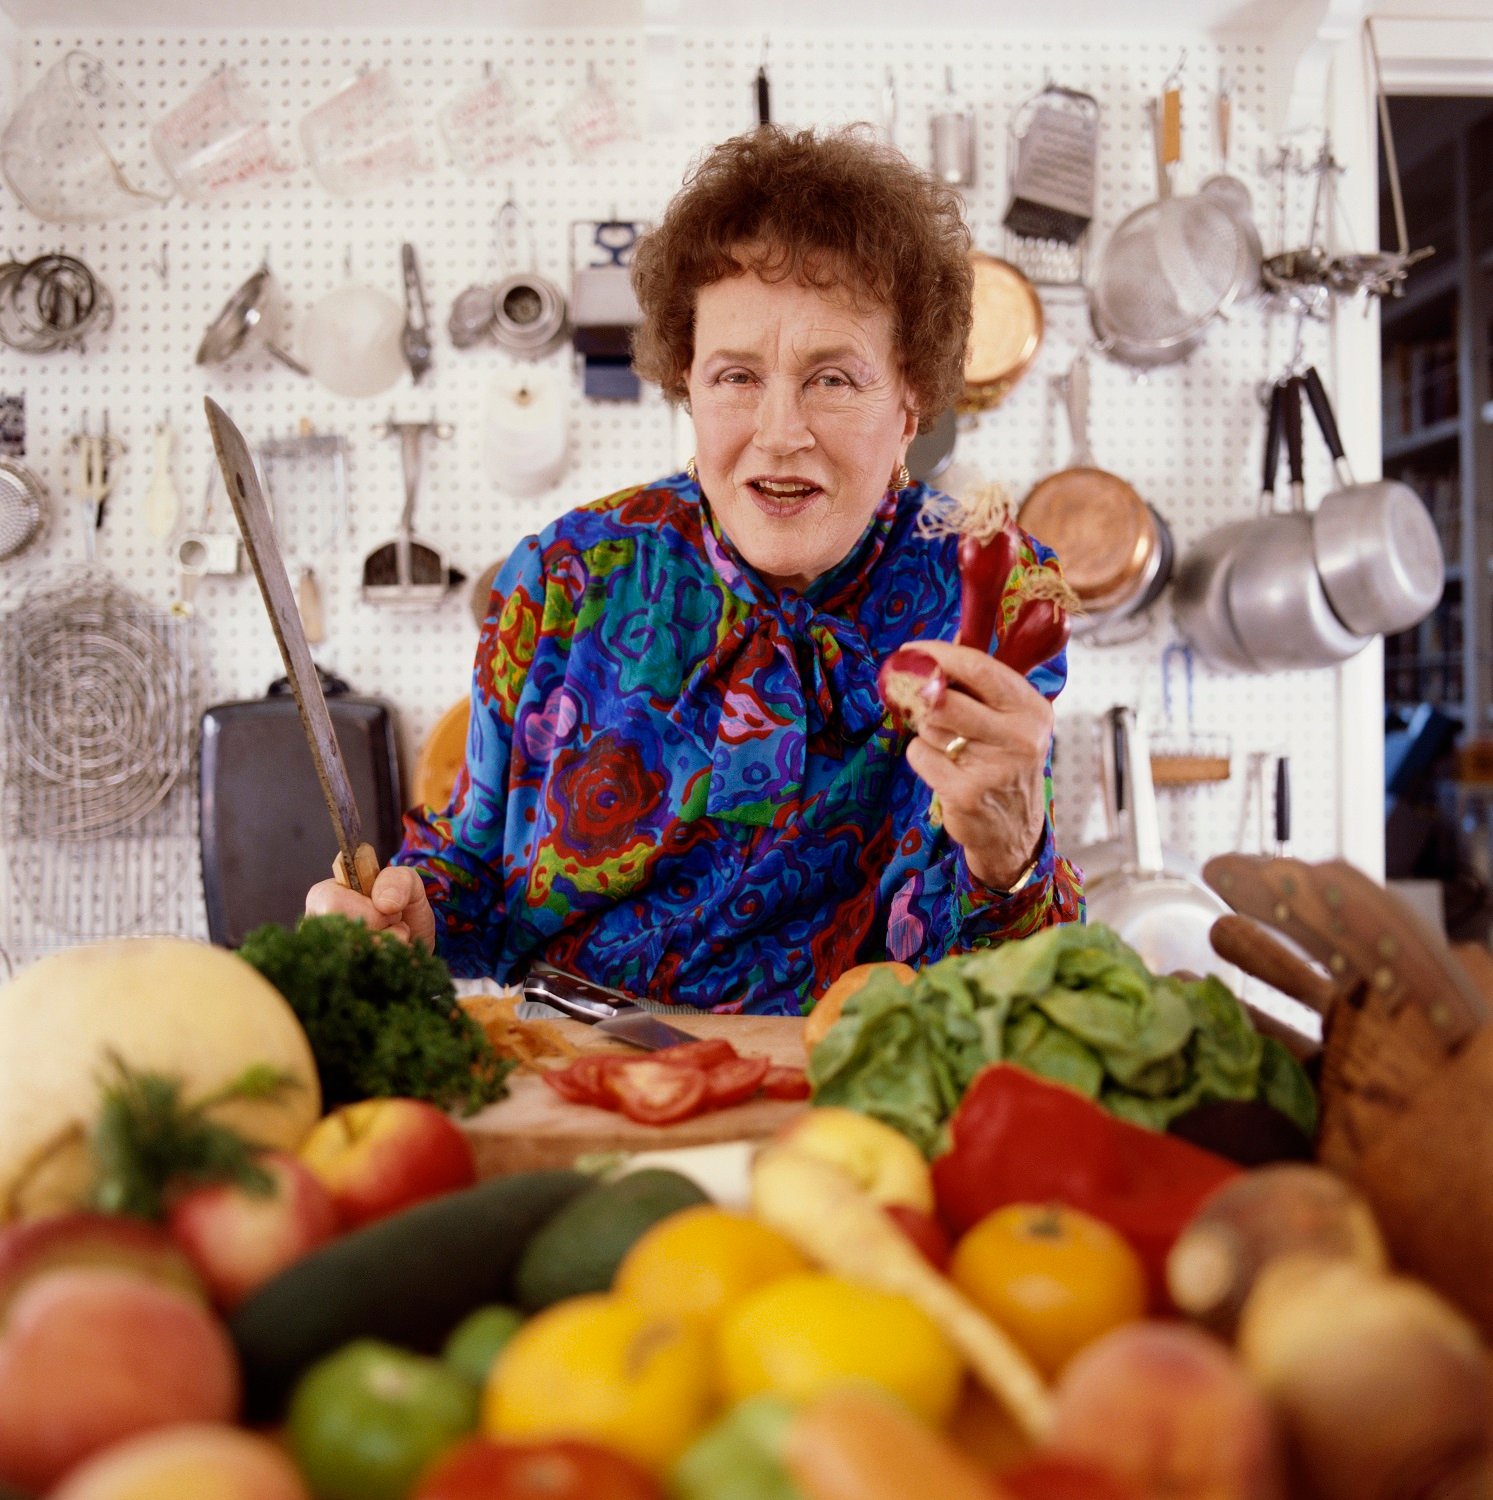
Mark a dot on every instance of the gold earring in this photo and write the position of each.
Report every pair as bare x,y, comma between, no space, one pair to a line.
903,479
692,471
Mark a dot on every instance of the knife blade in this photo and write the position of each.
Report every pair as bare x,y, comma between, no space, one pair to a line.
610,1011
357,863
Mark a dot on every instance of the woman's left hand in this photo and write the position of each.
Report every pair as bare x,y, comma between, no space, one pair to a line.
993,789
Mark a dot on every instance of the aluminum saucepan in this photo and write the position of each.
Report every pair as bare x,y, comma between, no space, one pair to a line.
1279,608
1376,545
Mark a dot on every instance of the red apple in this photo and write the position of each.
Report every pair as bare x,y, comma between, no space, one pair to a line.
87,1239
238,1239
89,1357
380,1155
195,1461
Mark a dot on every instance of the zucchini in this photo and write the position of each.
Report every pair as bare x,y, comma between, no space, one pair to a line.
408,1279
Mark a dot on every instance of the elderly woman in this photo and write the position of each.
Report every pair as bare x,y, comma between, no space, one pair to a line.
681,779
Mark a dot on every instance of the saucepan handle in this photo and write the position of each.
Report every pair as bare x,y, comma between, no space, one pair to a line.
1322,410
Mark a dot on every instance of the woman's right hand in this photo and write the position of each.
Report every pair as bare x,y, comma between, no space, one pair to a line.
398,904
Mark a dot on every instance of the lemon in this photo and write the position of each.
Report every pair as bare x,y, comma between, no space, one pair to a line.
606,1369
802,1334
700,1263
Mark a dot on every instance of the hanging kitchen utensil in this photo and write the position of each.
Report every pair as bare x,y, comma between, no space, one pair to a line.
485,126
1108,540
603,309
1166,917
217,139
1005,335
409,572
519,310
1056,137
305,479
77,148
91,475
1111,853
251,318
1200,595
1169,269
353,340
202,550
953,131
525,430
161,503
24,504
1276,600
364,138
98,694
52,302
1376,545
1180,756
415,340
931,452
763,89
1228,190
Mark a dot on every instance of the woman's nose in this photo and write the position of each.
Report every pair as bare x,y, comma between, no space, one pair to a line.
782,425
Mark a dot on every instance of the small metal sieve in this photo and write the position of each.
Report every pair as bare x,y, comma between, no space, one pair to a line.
23,506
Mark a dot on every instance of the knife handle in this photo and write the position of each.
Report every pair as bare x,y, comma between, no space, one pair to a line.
363,873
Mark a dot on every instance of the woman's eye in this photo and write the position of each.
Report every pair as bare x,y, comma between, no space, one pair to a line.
735,377
831,381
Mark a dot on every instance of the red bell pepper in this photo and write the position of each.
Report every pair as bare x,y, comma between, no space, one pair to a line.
1016,1138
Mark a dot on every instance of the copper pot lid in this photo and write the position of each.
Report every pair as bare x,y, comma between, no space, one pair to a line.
1102,531
1006,333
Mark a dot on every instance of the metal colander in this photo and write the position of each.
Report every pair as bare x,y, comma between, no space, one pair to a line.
23,505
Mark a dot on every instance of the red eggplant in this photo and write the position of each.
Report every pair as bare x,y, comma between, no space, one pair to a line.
1041,625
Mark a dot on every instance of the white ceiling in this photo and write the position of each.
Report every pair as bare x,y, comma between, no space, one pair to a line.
1231,16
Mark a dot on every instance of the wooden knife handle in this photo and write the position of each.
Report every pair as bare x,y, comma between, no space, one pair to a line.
1248,946
364,872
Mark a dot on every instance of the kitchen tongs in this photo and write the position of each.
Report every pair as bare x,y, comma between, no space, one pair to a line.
610,1011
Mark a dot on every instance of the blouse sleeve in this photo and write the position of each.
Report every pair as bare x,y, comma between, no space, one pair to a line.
462,852
944,908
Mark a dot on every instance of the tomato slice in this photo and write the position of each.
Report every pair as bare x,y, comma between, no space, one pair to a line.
656,1093
735,1080
704,1054
786,1083
564,1082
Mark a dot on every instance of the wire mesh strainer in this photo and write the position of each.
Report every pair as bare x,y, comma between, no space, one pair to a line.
96,690
1167,271
23,507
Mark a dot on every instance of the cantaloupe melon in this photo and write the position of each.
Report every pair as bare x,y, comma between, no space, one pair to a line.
162,1004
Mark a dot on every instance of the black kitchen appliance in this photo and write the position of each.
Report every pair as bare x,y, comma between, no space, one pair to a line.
266,837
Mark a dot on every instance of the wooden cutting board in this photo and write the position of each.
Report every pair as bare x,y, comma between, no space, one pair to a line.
534,1128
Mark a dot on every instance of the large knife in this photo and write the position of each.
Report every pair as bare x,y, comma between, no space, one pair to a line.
357,863
609,1011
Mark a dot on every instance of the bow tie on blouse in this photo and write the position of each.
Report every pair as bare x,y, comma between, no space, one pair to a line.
783,678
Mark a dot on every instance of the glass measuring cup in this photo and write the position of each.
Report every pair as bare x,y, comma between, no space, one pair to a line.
77,150
363,139
217,138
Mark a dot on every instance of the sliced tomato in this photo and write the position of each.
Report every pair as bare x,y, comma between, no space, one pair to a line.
786,1083
656,1093
704,1054
735,1080
567,1085
589,1075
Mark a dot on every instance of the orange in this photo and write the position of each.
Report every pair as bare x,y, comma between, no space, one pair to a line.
701,1262
1054,1278
827,1008
607,1370
804,1334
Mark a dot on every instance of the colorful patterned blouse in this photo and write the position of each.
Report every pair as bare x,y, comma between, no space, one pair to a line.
684,784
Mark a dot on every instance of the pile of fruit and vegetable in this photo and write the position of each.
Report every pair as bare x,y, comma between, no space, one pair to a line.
244,1254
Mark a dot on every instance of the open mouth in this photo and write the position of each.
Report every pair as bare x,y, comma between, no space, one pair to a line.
785,491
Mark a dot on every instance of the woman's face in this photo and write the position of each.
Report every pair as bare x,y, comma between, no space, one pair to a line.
801,419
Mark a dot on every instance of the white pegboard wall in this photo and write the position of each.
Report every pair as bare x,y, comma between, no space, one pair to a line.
1187,436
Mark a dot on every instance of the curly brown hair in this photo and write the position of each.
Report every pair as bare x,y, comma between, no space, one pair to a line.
834,210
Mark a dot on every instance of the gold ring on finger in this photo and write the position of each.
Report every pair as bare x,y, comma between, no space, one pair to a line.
956,747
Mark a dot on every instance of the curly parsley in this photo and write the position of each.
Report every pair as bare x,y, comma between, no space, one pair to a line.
381,1015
